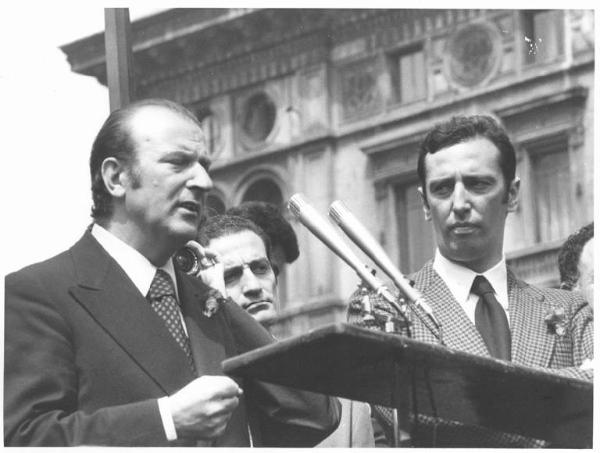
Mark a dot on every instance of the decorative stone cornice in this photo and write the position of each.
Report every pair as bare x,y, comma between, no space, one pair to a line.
240,71
228,48
180,41
390,27
87,53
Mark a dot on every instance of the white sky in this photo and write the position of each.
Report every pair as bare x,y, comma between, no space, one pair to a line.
49,120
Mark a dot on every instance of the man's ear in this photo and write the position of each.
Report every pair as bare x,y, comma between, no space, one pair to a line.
115,176
425,204
513,194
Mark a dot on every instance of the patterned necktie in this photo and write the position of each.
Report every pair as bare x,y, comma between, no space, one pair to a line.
161,296
490,319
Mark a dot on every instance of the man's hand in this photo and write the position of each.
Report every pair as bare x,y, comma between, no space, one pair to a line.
211,271
202,409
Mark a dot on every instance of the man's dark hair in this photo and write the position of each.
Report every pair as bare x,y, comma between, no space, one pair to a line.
114,140
569,254
224,225
268,217
462,129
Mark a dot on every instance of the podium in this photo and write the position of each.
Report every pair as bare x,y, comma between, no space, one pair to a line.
391,370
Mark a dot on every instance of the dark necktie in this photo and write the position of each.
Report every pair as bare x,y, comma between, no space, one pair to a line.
490,319
161,296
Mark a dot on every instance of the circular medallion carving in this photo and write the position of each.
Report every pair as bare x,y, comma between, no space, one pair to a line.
258,117
472,54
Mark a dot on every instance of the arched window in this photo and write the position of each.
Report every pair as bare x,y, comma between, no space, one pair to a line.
264,190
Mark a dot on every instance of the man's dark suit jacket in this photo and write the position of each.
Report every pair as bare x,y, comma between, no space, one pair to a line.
86,358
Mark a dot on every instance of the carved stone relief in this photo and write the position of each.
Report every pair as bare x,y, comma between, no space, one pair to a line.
359,89
258,115
472,54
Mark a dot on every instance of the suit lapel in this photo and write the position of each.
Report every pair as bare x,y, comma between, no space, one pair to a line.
531,343
457,329
206,334
211,343
110,297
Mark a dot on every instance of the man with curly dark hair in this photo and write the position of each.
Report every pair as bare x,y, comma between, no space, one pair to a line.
250,280
576,262
269,218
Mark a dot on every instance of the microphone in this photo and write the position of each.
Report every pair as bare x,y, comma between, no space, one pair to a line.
323,230
357,232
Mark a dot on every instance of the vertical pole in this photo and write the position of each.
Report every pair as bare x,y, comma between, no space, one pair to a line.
119,74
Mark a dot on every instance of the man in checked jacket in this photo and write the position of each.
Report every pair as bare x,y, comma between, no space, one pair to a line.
468,186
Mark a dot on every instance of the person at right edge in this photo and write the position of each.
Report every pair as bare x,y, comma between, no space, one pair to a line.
576,263
466,168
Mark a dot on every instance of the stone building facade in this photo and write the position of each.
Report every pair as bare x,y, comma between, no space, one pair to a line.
334,103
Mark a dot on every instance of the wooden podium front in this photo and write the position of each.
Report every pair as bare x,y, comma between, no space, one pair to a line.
390,370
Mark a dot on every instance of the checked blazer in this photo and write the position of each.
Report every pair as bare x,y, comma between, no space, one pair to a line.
534,343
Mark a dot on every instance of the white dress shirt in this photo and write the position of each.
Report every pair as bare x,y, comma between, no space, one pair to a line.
136,266
141,272
459,280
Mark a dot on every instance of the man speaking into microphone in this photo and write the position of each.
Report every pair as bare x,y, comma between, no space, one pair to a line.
468,186
109,344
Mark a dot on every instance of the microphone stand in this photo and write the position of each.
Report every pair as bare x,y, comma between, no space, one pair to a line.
324,231
410,296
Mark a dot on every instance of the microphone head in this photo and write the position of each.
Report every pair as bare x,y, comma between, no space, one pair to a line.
296,204
337,210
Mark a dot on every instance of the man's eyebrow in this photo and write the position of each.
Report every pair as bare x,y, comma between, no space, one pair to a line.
441,180
481,176
183,151
188,145
254,260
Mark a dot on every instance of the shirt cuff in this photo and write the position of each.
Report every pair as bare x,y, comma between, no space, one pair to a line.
167,418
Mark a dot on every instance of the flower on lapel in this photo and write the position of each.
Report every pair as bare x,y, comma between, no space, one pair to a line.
213,302
557,321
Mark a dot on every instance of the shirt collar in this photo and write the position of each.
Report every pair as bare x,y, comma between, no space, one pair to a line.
459,279
134,264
